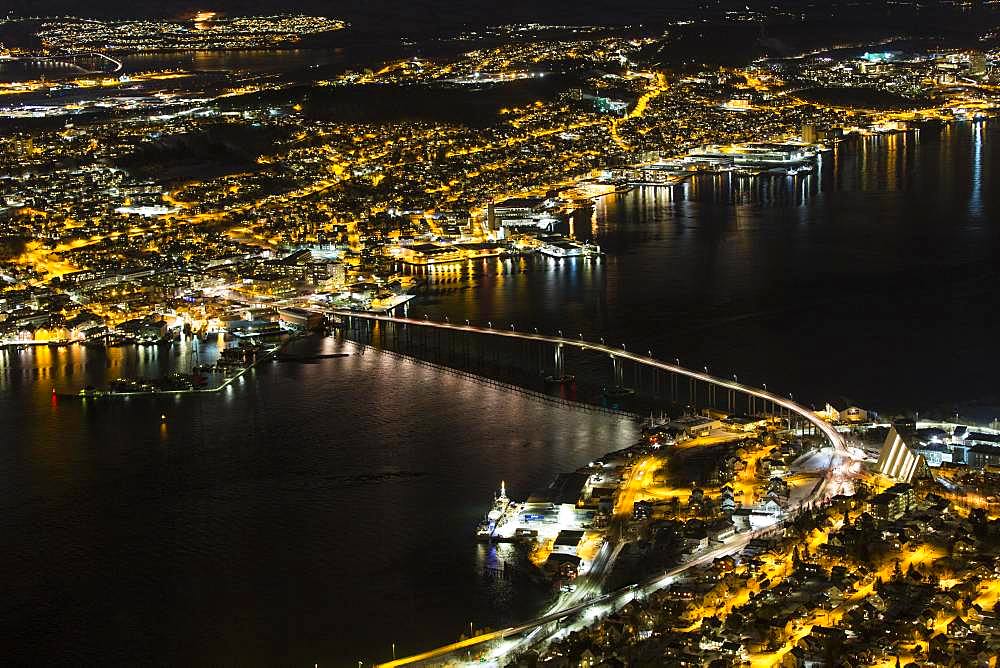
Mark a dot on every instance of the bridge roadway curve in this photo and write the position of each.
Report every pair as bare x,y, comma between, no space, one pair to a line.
834,437
66,59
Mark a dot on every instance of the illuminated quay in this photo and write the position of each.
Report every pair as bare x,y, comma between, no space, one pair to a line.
311,336
527,521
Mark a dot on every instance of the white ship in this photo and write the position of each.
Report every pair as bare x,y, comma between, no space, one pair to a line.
502,511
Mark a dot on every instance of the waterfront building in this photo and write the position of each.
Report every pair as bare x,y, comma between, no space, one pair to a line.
300,319
519,212
567,541
693,426
445,253
562,248
770,155
658,174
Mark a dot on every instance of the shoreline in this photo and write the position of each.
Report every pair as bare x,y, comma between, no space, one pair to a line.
111,394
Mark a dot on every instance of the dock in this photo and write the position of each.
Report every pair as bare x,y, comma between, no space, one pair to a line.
109,394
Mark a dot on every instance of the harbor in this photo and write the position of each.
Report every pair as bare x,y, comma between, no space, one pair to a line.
745,475
231,367
791,158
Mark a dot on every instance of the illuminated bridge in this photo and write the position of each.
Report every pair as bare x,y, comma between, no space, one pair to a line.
471,347
436,340
73,62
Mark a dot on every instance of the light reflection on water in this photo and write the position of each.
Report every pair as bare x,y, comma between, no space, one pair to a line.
314,512
311,512
846,282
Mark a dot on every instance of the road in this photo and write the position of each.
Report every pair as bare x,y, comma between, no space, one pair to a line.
587,596
615,599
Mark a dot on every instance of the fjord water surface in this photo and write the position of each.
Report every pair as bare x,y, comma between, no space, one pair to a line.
318,513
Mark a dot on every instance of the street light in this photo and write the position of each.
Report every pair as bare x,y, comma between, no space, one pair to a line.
677,360
623,346
490,323
466,322
560,333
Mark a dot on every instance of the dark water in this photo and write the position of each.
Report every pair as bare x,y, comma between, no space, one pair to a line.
241,60
251,61
321,512
313,513
874,279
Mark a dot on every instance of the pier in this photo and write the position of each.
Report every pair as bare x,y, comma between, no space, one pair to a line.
449,345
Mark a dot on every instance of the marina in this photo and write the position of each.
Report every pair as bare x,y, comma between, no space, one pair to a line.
443,335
